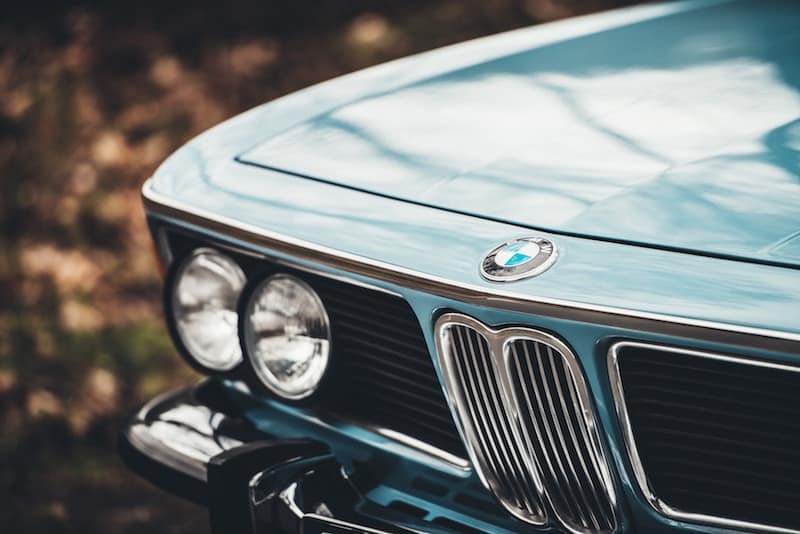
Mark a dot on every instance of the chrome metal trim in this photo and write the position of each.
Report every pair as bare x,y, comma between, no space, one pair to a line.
247,335
330,276
642,481
576,398
447,461
499,342
346,526
158,204
162,235
288,498
474,440
421,446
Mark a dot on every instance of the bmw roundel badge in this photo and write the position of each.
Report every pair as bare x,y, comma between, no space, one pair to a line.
520,258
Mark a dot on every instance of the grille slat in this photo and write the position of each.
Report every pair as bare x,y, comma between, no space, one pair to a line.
411,388
402,354
385,374
711,435
711,393
400,389
555,474
783,431
732,501
401,366
559,450
477,414
757,380
400,371
394,334
523,407
594,471
482,408
586,484
562,448
483,374
737,448
754,475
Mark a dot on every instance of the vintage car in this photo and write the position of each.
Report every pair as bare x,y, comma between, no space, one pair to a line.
545,280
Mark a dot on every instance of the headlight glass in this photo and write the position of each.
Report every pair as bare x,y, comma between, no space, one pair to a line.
287,336
205,294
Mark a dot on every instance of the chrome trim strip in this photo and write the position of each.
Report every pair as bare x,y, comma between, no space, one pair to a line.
331,276
163,237
158,204
345,526
451,462
421,446
642,481
501,344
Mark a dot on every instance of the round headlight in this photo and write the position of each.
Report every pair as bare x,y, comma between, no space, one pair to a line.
287,336
204,296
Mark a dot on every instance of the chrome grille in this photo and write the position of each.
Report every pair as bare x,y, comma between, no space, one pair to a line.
558,435
524,409
504,465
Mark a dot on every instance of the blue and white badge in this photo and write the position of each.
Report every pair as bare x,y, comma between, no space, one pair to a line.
521,258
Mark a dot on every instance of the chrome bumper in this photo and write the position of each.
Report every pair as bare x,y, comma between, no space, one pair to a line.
194,443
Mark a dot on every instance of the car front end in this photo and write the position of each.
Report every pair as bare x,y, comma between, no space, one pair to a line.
420,311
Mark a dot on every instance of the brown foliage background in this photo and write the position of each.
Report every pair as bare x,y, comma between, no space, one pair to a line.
92,97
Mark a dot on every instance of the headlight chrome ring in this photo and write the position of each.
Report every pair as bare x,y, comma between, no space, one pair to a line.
286,336
201,296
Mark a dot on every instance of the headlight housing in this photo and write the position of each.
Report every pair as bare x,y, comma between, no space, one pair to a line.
287,336
202,298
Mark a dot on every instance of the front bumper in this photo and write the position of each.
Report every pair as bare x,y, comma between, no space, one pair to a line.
196,444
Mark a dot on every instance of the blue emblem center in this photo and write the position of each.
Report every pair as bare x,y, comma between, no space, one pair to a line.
516,254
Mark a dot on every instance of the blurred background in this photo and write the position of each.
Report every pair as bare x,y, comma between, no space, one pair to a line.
93,97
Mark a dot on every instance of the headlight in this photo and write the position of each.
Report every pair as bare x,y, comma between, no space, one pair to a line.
287,336
203,298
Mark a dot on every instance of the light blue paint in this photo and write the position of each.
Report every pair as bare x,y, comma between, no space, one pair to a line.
672,126
677,131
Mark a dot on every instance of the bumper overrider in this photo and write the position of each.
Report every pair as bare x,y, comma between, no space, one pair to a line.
194,443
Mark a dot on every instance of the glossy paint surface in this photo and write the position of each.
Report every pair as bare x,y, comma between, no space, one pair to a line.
204,176
680,131
440,244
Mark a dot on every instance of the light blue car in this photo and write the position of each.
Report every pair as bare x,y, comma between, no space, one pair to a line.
545,280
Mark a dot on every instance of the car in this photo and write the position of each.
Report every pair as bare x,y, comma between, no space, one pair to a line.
543,280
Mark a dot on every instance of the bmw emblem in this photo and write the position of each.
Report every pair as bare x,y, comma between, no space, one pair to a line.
521,258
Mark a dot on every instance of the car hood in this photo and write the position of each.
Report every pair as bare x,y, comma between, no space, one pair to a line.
680,131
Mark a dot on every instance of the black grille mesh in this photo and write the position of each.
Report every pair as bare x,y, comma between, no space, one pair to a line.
385,375
716,437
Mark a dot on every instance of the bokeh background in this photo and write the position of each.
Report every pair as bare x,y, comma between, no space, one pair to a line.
92,97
